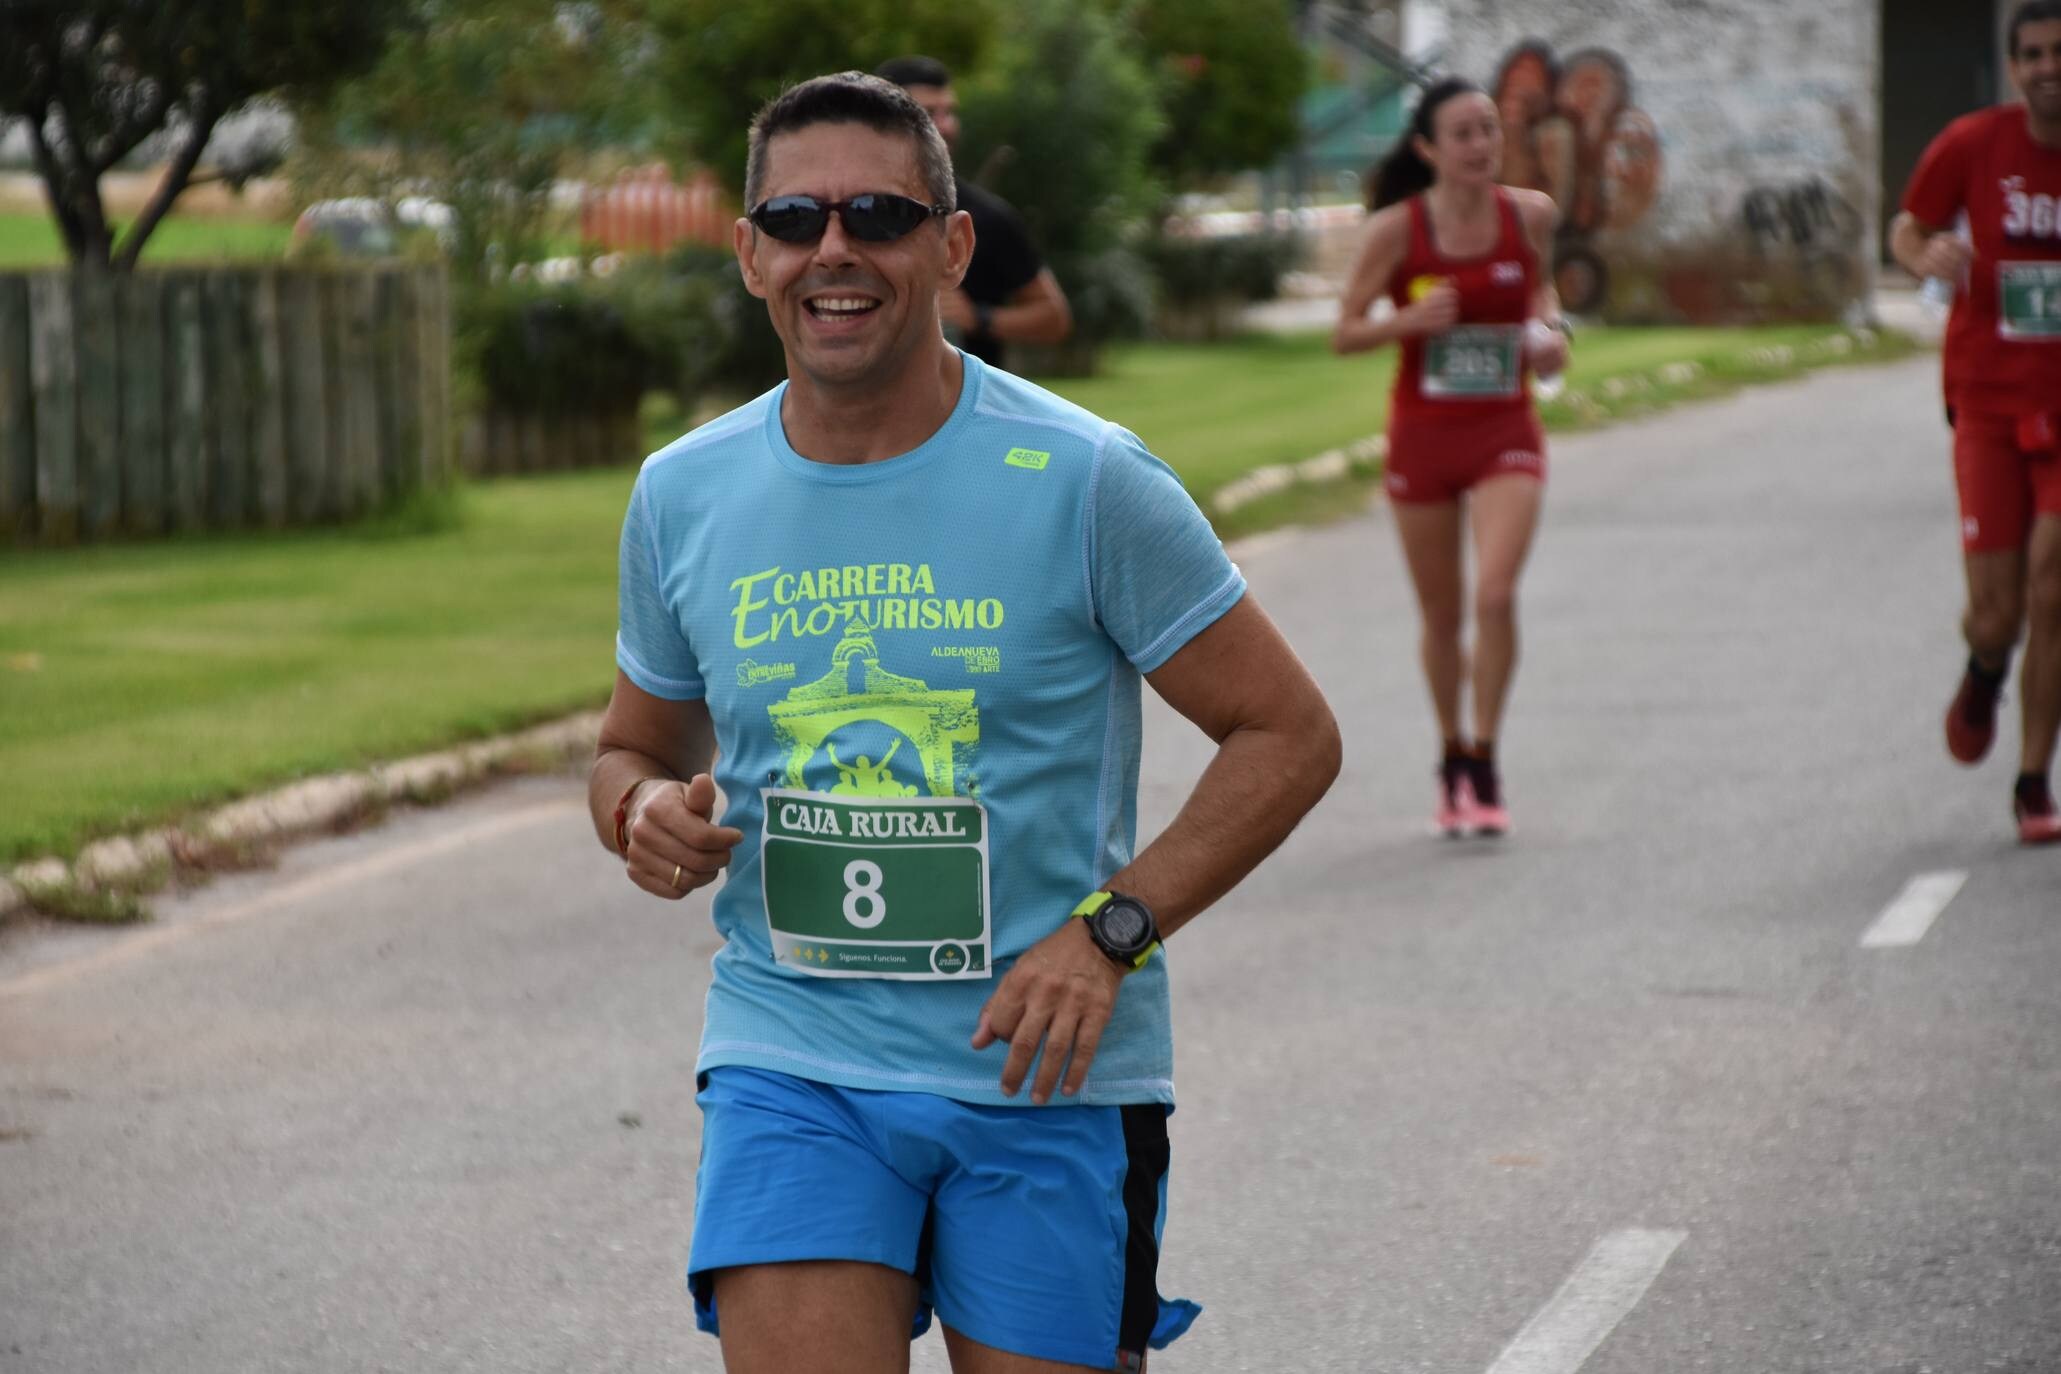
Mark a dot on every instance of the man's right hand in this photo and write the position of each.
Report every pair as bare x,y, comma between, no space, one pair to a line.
673,835
1946,256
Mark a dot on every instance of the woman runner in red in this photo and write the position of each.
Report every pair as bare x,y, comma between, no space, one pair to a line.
1476,314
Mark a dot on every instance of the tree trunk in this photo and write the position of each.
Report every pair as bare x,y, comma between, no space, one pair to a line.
174,181
57,185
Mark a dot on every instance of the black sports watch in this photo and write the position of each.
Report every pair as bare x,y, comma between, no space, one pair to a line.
1121,927
983,320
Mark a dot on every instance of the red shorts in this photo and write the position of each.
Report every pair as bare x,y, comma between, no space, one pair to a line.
1437,460
2008,471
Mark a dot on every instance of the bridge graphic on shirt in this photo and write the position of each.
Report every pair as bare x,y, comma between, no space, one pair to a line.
860,730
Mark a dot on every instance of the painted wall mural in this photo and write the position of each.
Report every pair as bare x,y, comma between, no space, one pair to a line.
1570,129
1716,161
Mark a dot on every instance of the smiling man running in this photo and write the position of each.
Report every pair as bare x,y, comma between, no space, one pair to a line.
1999,172
901,606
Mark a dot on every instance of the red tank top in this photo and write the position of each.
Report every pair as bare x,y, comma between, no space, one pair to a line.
1478,366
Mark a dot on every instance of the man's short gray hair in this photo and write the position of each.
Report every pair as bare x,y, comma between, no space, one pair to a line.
851,98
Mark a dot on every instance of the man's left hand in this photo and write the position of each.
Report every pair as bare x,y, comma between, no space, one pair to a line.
955,309
1061,991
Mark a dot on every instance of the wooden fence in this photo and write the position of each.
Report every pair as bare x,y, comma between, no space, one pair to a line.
221,398
497,443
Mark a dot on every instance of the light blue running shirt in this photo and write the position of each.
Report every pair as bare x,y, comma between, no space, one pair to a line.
967,620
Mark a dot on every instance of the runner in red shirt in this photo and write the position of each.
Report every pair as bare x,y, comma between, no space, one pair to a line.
1983,211
1460,256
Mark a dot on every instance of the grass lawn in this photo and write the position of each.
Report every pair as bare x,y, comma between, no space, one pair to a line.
31,240
143,681
1215,412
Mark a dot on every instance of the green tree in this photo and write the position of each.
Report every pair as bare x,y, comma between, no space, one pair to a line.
483,105
1229,75
718,61
1061,122
91,80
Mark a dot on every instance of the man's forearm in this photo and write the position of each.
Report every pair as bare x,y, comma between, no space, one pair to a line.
614,771
1038,322
1908,241
1253,794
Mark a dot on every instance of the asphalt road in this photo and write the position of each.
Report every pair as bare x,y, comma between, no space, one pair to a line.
421,1098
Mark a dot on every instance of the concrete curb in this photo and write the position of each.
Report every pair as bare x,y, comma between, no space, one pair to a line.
1362,455
1367,455
146,862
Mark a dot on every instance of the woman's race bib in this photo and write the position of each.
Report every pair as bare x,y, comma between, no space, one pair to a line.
876,887
1474,362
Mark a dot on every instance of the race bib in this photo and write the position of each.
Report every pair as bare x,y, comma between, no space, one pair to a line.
1474,362
876,887
2029,300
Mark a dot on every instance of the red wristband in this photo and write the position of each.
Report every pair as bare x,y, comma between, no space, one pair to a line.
622,818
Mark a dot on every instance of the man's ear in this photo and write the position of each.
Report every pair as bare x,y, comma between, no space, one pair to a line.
958,247
744,240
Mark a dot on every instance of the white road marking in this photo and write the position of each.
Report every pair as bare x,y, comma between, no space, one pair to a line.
1905,920
1597,1296
272,899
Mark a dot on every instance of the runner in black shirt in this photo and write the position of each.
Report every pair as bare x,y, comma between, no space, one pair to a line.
1009,295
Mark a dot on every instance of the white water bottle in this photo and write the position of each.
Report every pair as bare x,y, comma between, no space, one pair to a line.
1936,294
1936,298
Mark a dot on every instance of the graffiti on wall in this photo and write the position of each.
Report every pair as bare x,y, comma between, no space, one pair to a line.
1808,228
1570,129
1805,216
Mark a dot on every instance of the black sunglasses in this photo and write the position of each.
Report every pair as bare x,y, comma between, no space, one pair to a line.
871,218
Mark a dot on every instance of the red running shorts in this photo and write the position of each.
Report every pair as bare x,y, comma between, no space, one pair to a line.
2008,470
1431,461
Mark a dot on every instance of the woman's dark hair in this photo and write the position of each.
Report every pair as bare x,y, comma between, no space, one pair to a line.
1403,173
2032,12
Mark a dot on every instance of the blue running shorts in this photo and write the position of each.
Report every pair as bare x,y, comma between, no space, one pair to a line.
1034,1230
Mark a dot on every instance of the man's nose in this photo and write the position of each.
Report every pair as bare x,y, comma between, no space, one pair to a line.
835,248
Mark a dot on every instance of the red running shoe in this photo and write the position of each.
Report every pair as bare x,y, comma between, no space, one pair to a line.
1971,721
2039,821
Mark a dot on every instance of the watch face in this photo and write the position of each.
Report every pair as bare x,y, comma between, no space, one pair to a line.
1123,925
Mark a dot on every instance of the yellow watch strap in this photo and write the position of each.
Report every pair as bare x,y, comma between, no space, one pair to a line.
1093,903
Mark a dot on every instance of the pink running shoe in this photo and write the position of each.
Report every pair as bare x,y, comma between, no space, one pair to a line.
2039,821
1455,798
1485,814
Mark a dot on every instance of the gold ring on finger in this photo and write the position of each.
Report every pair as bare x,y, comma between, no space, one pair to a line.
676,877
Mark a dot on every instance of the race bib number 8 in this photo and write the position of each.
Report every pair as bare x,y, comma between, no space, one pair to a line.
1474,362
2029,300
876,887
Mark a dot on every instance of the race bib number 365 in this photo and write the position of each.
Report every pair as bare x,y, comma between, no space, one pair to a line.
876,887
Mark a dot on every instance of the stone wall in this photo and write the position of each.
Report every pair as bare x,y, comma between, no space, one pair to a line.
1715,160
